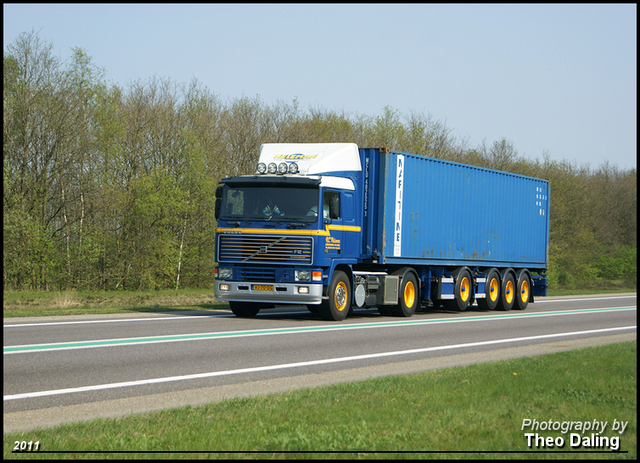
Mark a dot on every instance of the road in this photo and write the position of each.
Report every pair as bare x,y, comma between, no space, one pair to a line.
65,369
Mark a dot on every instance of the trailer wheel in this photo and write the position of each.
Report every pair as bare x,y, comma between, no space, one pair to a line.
524,291
244,309
337,307
491,290
463,290
508,291
408,296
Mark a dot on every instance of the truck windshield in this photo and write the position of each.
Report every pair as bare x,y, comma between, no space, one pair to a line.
268,203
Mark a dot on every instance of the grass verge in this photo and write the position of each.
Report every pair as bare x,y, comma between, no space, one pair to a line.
41,303
477,408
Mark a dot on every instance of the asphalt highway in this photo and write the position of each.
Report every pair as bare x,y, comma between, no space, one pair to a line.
72,368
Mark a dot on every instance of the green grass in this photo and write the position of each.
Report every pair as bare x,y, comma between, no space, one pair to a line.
475,408
40,303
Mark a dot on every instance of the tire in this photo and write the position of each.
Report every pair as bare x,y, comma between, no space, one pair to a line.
524,291
408,296
339,302
244,309
462,291
507,291
492,291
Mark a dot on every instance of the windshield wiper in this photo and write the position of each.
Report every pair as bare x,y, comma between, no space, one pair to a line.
295,225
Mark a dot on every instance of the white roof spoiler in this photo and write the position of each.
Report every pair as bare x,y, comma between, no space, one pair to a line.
313,158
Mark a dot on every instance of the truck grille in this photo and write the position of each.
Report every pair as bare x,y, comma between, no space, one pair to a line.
256,274
268,249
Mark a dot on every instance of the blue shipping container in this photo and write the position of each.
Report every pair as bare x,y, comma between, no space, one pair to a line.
444,213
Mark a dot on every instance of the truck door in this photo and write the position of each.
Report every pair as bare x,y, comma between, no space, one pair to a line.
332,217
339,217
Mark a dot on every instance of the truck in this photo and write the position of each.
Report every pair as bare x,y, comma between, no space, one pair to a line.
334,227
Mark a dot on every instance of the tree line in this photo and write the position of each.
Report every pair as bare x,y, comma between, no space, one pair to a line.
112,188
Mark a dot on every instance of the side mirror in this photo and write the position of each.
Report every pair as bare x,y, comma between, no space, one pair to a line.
218,201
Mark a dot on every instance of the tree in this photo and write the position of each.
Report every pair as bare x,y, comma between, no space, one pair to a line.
114,188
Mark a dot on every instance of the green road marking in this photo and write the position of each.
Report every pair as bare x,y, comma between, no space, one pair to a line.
233,334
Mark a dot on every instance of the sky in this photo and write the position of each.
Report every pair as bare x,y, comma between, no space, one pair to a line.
554,79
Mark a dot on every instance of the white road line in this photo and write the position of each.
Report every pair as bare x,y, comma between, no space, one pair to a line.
119,342
191,317
119,320
99,387
545,301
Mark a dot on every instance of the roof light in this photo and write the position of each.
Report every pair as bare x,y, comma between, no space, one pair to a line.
293,168
262,168
272,168
282,168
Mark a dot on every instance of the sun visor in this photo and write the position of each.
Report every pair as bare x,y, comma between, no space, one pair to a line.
313,158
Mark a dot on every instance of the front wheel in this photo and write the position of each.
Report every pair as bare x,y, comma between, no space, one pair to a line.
339,293
244,309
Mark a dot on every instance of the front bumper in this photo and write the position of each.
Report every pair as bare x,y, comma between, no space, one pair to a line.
276,293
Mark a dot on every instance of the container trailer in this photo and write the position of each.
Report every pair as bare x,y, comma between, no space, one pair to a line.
336,227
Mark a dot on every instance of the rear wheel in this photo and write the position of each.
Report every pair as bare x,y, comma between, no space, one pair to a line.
408,297
463,290
524,291
491,290
337,306
507,291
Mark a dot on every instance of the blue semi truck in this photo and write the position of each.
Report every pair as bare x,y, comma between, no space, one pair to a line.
336,227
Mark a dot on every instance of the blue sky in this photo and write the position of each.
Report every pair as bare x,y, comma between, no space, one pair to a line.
560,79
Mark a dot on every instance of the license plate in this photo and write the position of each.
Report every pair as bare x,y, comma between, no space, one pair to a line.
262,287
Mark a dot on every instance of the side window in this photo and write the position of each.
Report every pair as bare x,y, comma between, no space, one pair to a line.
331,205
347,207
235,202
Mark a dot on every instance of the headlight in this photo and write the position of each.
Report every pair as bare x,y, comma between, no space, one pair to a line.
262,168
293,168
225,273
303,275
282,168
272,168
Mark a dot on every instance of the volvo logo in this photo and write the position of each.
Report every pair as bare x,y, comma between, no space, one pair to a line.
263,249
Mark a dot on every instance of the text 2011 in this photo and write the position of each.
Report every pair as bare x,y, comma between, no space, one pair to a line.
24,446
